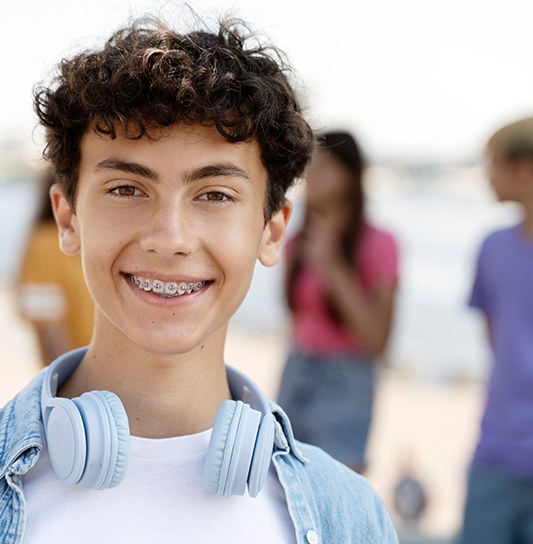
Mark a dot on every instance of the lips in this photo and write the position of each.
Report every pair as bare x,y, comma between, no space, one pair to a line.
166,289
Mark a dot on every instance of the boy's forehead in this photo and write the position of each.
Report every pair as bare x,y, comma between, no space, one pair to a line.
182,143
181,153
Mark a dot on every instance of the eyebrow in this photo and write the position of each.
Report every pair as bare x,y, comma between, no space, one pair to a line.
226,169
127,167
213,170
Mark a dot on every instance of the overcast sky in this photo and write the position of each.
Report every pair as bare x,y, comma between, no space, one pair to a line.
415,79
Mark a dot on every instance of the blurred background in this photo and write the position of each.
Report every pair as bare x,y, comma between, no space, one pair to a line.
422,84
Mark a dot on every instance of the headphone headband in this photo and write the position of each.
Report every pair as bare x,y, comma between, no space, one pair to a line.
57,373
93,431
241,386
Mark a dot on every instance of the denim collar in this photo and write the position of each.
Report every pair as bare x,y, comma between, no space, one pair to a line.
284,441
21,434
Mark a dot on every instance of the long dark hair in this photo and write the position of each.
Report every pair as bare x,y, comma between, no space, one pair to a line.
344,148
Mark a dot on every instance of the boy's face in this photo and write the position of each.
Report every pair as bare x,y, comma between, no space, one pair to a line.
179,214
509,178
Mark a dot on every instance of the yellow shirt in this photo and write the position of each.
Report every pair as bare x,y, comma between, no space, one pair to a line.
52,286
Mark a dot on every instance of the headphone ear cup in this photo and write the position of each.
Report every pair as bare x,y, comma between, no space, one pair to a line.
66,442
231,449
262,455
243,451
107,435
218,457
122,428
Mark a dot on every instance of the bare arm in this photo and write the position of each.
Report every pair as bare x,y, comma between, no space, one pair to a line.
366,315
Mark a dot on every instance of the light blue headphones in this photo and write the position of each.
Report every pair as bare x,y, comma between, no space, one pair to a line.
88,437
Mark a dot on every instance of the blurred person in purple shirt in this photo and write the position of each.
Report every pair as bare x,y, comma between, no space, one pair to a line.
499,505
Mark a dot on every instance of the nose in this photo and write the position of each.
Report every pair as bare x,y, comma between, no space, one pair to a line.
169,231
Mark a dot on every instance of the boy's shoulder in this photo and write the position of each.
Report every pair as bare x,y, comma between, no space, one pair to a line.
502,239
504,233
344,502
324,469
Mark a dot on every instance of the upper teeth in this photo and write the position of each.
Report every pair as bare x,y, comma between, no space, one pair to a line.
169,288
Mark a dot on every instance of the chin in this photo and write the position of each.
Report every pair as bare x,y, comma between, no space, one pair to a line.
173,347
169,350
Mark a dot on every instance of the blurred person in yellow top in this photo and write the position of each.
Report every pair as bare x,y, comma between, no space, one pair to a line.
52,294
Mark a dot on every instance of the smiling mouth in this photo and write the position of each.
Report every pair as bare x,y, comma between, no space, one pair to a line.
168,289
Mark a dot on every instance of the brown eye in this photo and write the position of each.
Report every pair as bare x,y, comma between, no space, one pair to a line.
125,190
216,197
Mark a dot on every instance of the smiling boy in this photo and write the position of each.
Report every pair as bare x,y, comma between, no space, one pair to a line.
173,154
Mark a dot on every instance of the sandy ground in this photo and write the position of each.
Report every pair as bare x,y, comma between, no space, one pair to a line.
427,428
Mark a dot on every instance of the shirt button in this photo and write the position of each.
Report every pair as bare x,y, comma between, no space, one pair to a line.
311,537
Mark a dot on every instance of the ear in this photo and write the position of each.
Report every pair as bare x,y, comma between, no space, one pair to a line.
273,235
67,222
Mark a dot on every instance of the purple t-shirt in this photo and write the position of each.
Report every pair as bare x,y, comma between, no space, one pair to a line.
503,290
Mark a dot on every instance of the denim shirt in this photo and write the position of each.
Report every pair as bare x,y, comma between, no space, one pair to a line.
328,503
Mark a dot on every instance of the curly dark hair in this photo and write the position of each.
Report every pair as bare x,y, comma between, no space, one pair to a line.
147,76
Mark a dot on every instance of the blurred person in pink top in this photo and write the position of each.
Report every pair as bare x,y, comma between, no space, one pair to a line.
341,280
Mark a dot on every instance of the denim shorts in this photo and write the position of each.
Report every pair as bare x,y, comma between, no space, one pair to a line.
499,508
329,402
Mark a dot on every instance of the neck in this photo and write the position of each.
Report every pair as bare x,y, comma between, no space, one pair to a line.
528,217
164,395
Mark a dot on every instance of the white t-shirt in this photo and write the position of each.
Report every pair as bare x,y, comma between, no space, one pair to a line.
161,500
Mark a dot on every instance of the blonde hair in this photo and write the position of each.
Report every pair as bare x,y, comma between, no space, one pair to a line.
514,140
